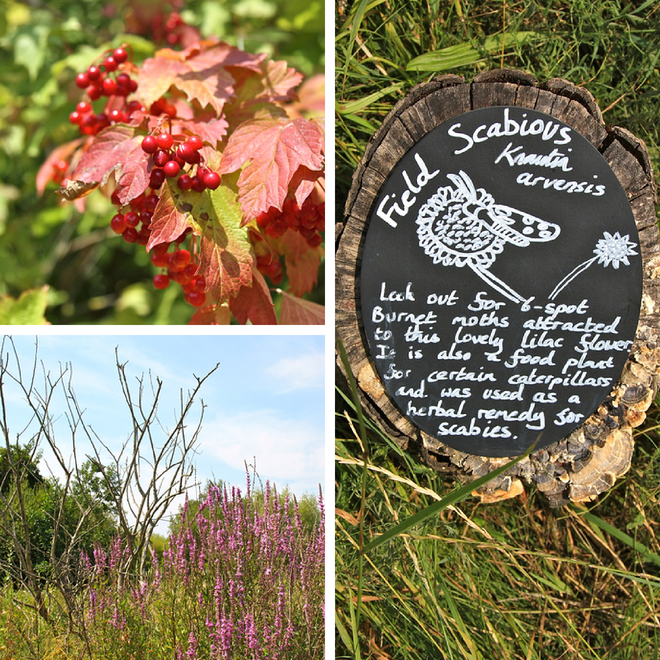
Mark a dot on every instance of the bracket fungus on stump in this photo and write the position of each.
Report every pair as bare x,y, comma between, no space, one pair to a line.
532,221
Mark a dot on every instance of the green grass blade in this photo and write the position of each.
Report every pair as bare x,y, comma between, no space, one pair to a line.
453,498
464,54
628,540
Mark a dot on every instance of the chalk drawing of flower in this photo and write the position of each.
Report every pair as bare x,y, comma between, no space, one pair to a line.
611,249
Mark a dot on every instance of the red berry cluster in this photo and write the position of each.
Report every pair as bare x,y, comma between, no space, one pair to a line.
134,225
168,30
97,82
308,220
170,160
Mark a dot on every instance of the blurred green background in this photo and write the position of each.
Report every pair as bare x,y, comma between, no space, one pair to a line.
92,275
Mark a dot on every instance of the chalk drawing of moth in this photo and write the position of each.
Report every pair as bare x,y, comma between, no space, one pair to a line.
461,225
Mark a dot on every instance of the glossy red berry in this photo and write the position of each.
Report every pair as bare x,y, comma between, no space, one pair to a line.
179,259
171,169
161,157
185,151
156,178
94,93
195,298
149,144
212,180
123,80
109,87
93,73
130,234
132,219
195,142
82,80
198,186
165,141
110,64
161,281
185,182
120,55
75,117
150,203
117,223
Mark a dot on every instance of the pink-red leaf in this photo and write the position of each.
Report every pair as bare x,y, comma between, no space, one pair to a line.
48,170
296,311
274,150
134,179
211,315
107,152
199,72
171,216
254,303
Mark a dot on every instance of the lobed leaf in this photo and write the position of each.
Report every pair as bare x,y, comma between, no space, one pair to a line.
225,251
254,303
200,72
274,150
171,216
111,150
296,311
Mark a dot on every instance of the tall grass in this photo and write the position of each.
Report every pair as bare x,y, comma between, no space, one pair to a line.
242,577
515,580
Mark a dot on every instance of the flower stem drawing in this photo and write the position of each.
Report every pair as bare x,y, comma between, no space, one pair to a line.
611,249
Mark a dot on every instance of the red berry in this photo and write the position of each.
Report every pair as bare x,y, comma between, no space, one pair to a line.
160,260
156,178
120,55
185,151
315,240
157,107
82,80
75,117
143,237
83,107
117,223
169,110
160,248
161,281
161,157
109,87
165,141
185,182
117,116
130,235
171,169
150,203
132,219
212,180
93,73
195,298
110,64
179,259
94,93
149,144
195,142
123,80
198,186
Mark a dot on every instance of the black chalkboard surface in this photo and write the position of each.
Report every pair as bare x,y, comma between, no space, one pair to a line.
501,281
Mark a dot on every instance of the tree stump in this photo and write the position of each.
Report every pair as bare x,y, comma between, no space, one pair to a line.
498,283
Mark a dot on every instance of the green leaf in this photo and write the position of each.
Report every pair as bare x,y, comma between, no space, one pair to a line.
453,498
30,48
29,309
226,257
465,54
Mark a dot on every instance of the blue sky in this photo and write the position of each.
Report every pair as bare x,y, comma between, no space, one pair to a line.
266,401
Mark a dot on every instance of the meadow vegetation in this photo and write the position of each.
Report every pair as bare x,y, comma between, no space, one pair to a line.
517,579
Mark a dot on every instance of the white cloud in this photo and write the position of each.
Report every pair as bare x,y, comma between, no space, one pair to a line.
287,451
298,372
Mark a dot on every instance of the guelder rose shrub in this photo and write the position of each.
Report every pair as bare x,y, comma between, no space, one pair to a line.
216,168
241,578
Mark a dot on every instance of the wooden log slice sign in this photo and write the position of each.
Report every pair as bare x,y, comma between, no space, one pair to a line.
497,282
